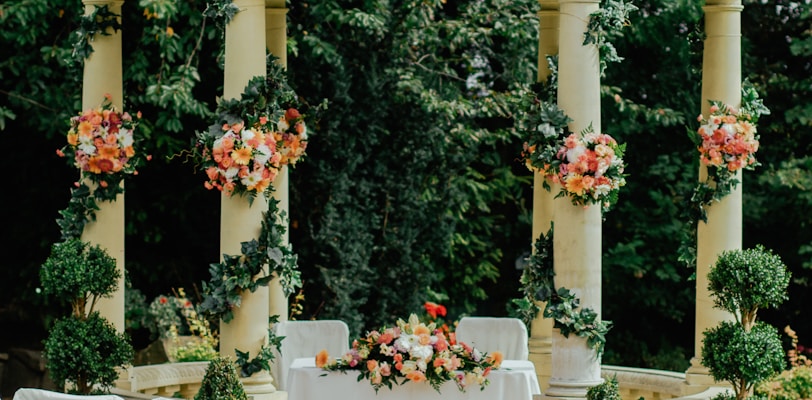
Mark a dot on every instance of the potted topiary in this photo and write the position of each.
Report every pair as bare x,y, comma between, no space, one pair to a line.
221,382
83,350
745,352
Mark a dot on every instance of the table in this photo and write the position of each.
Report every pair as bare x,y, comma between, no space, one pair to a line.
515,380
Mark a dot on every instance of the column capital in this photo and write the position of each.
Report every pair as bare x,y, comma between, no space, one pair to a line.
102,2
548,5
719,8
579,1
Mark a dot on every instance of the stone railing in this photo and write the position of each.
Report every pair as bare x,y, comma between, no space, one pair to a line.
170,379
164,380
652,384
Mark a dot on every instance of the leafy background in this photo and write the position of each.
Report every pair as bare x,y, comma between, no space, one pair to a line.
412,190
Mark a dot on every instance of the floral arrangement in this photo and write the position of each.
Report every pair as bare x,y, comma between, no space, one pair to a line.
102,145
241,160
728,139
416,352
177,322
244,159
588,166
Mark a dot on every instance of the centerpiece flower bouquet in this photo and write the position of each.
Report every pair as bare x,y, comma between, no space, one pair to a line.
101,144
240,159
416,352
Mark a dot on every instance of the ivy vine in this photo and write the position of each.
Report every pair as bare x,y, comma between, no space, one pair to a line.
262,362
605,24
538,284
98,22
236,274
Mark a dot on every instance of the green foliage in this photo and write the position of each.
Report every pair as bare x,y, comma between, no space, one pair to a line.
101,21
608,390
238,273
745,352
79,273
221,382
538,284
422,196
742,281
791,384
742,358
606,24
265,355
86,352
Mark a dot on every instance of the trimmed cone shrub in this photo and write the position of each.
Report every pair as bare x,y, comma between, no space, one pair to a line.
745,352
86,352
221,382
742,358
83,350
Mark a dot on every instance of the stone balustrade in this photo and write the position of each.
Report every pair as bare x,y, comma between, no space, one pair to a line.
164,380
167,380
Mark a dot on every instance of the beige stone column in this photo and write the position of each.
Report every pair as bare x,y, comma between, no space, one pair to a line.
103,75
577,238
541,329
239,221
721,80
276,41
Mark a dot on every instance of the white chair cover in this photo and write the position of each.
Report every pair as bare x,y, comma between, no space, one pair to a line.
41,394
489,334
306,339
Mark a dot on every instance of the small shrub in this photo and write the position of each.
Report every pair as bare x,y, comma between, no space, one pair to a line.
745,352
83,349
86,353
221,382
736,356
608,390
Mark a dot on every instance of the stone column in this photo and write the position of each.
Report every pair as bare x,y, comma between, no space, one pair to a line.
103,75
721,80
276,41
541,329
239,221
577,238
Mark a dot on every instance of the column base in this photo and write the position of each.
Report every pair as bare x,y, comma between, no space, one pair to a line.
697,378
569,390
260,387
541,355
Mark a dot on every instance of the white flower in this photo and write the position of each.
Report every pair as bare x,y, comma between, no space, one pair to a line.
231,172
86,145
282,125
574,153
247,135
263,154
125,137
252,179
421,352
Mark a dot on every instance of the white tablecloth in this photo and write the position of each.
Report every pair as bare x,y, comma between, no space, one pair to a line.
515,380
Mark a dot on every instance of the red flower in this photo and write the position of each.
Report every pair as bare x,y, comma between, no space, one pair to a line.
434,309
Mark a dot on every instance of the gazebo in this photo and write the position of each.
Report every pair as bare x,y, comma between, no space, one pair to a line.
565,366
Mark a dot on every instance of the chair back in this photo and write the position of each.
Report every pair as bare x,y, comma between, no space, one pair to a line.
42,394
489,334
306,339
